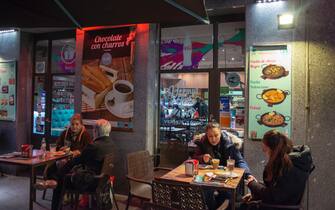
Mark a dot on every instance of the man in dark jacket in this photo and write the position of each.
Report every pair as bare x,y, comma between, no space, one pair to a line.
218,145
288,188
91,159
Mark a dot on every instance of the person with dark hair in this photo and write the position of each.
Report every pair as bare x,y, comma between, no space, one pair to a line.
285,173
219,145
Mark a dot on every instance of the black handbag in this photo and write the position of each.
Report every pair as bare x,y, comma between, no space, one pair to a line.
82,178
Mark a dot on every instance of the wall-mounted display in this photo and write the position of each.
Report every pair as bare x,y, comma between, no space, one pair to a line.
107,77
8,90
269,90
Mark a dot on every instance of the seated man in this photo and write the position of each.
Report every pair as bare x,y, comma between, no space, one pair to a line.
219,146
92,158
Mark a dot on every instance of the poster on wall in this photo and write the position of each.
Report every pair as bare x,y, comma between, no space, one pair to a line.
269,90
7,90
107,77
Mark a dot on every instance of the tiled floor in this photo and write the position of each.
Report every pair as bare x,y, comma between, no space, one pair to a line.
14,193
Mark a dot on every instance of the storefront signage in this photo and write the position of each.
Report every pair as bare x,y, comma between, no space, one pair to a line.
107,77
7,90
269,90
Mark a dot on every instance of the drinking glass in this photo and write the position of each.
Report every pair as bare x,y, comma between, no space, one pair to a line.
230,165
52,148
215,163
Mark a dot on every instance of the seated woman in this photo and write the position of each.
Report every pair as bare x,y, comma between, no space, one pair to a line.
75,136
219,146
285,173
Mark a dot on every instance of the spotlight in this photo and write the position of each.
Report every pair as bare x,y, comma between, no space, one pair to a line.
285,21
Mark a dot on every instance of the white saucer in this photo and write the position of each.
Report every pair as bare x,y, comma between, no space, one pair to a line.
121,110
226,174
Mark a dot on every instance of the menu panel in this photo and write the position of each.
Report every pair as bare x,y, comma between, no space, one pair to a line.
269,90
8,90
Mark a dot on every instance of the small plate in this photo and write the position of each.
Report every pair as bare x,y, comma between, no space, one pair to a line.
226,174
204,166
59,153
121,110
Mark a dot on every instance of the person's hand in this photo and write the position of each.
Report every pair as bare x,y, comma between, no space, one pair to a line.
247,198
63,148
75,153
206,157
250,178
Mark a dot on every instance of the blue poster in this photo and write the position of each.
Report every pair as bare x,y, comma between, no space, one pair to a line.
7,90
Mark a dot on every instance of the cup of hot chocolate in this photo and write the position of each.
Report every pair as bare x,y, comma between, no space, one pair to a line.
122,89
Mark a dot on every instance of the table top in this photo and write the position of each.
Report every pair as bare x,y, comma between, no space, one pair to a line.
35,160
178,175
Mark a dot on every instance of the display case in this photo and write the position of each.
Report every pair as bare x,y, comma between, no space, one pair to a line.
62,103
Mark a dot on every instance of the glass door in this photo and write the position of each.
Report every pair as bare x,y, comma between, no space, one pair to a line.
53,87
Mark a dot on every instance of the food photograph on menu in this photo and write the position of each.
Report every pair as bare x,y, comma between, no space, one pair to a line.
8,90
107,77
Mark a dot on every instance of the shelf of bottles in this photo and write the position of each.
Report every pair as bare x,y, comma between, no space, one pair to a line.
62,103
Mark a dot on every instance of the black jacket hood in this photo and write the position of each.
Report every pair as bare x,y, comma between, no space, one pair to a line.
302,158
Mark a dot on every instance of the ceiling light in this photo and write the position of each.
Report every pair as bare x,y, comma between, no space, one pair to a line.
267,1
7,31
285,21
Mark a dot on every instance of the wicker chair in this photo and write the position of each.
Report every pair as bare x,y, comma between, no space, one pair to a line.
104,177
141,172
180,196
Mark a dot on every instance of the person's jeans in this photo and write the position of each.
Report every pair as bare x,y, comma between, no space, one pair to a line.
215,198
58,192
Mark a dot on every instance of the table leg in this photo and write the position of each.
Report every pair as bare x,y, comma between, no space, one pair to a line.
32,194
233,199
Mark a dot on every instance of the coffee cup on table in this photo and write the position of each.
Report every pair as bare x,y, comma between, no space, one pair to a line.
215,163
122,89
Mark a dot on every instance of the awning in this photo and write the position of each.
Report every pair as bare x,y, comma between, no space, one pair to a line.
88,13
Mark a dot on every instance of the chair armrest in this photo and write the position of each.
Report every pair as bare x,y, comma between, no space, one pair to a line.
162,168
130,178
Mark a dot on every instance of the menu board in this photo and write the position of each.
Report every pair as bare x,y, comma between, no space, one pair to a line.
107,77
269,90
8,90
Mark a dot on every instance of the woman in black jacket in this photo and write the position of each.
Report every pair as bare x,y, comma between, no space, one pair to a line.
285,173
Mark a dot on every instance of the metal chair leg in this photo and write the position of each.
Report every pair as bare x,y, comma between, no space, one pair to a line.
76,201
114,199
44,192
128,201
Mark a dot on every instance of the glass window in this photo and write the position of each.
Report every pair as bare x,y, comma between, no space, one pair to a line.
41,56
62,103
39,105
231,39
187,47
183,105
63,56
232,101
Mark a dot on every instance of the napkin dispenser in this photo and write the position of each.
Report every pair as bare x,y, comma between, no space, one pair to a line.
191,167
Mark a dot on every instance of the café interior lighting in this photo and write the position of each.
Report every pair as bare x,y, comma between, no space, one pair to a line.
285,21
7,31
267,1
